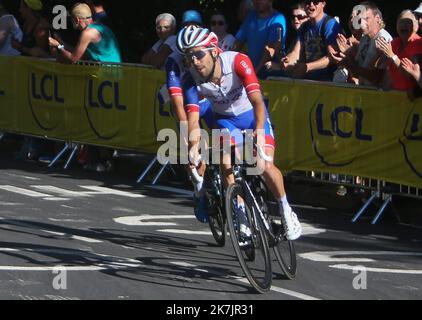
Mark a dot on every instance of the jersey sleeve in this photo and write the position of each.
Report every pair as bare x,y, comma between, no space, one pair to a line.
243,67
174,82
190,94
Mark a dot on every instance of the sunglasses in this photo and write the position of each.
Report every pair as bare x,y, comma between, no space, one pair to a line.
198,55
299,17
218,23
315,2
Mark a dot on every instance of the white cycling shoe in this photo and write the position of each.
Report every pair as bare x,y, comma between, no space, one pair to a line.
292,225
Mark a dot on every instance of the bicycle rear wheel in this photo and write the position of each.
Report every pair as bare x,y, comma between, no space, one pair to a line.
254,258
284,250
217,224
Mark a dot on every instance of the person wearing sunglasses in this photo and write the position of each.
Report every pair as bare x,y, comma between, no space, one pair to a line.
309,58
219,27
299,16
165,26
177,77
229,81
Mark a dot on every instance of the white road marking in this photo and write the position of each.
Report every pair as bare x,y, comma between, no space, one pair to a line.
68,220
107,191
52,199
61,192
338,256
24,177
84,239
68,268
183,264
186,232
290,293
142,221
10,204
25,192
104,262
378,270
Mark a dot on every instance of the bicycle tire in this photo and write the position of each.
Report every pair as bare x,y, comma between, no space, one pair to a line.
289,269
263,286
284,250
218,226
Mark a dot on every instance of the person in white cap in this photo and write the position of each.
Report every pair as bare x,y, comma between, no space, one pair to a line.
418,15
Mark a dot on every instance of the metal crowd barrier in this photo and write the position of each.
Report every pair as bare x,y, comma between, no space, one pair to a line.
382,192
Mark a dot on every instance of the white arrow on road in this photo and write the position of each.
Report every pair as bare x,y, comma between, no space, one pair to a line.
145,220
358,257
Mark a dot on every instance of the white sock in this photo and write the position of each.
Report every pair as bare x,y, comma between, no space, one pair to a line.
285,204
198,188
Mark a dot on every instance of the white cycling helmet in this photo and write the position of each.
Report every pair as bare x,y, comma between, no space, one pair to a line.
193,36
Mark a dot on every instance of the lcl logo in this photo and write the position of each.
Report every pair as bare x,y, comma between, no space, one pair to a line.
102,97
44,100
335,131
411,140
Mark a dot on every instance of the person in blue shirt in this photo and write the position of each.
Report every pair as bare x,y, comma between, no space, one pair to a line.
309,58
264,32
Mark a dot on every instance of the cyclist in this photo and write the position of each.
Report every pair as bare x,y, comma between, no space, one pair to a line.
229,81
178,78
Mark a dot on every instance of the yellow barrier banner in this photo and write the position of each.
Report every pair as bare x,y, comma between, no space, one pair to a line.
318,127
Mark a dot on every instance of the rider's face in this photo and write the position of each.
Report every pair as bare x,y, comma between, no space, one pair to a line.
202,60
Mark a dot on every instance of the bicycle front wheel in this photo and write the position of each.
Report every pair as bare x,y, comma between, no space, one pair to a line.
252,252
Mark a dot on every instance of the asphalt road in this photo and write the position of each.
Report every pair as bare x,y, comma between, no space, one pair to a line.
119,240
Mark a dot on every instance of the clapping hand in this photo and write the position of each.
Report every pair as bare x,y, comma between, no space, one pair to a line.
384,47
411,68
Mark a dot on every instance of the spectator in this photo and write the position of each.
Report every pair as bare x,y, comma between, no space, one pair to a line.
100,15
33,43
96,39
165,25
192,17
418,15
413,70
369,66
407,45
96,43
219,27
36,29
9,28
299,17
348,46
244,9
317,38
264,32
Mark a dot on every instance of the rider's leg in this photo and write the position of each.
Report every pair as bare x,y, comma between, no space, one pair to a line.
274,180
